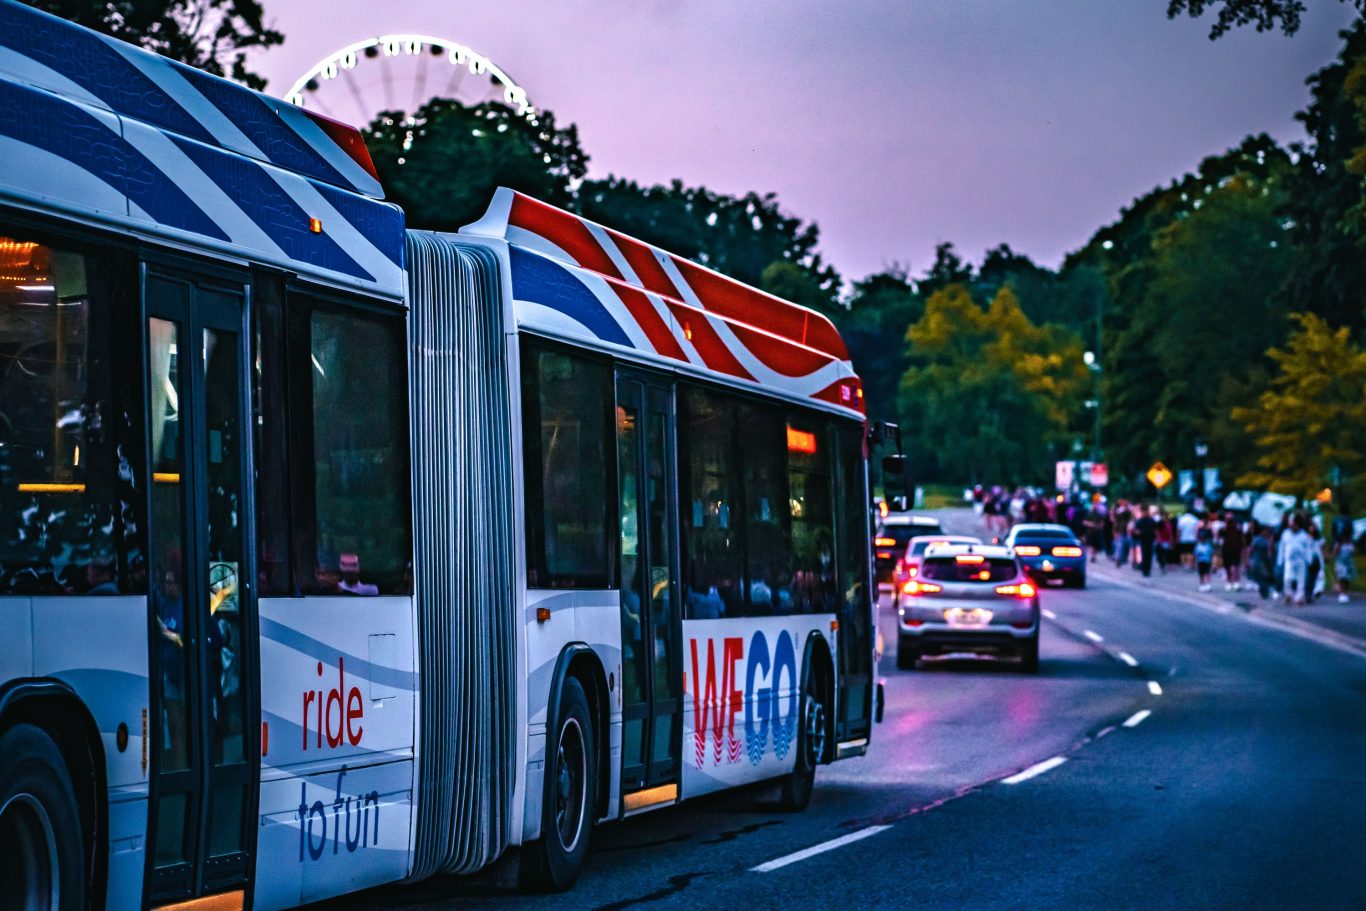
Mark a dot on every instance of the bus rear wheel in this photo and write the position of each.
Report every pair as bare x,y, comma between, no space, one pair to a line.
557,859
797,786
40,844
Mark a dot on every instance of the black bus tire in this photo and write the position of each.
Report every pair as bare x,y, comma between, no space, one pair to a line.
41,851
570,796
795,789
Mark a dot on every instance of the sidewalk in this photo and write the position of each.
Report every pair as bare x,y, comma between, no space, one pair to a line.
1343,623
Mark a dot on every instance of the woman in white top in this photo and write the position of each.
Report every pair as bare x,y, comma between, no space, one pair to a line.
1295,553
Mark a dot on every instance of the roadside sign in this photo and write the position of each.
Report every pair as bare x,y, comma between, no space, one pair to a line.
1159,475
1100,474
1063,474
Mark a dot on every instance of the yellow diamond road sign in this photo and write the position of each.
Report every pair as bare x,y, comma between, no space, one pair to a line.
1159,475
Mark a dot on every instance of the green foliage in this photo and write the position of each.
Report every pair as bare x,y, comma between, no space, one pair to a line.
1312,419
1328,194
740,236
988,392
443,164
880,310
213,35
1264,14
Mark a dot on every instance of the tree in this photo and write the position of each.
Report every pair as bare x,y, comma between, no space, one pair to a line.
740,236
443,163
213,35
948,269
1264,14
1327,193
989,395
882,307
1311,422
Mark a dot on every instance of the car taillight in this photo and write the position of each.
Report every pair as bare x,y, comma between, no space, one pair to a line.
969,558
1028,550
1022,590
916,587
1067,551
884,542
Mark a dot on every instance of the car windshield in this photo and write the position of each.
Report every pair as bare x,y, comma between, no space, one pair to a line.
1045,534
968,568
918,547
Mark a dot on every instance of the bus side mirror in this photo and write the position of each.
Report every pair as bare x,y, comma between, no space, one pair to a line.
895,479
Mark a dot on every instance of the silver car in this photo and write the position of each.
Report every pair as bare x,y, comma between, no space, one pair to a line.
968,598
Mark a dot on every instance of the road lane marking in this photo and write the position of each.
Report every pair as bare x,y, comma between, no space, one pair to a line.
1137,718
1128,659
1104,731
832,844
1049,614
1154,687
1093,636
1037,768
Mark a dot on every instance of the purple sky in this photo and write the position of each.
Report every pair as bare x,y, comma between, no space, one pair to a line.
894,125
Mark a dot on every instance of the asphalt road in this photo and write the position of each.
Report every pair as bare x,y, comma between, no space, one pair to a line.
1244,786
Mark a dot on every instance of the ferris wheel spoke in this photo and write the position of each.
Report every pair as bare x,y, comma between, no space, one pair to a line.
453,86
419,98
361,106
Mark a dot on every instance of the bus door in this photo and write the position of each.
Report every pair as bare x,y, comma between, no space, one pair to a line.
651,629
204,744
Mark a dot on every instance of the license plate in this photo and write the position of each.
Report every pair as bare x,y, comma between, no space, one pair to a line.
1048,566
967,616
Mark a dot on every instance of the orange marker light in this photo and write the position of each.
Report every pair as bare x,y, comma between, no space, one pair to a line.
542,614
1067,551
969,558
1028,550
315,225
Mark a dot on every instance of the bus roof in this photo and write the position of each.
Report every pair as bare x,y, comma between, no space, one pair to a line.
574,278
113,134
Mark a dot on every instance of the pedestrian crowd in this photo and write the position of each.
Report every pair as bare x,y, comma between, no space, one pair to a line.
1287,561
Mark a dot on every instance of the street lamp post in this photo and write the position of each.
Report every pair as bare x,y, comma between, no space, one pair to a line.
1093,364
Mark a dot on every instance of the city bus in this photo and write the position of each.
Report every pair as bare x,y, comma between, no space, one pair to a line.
335,554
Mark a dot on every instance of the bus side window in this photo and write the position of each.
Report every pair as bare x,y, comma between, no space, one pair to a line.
67,427
711,511
351,459
568,436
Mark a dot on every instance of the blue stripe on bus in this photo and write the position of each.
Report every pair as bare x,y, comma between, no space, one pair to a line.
277,214
258,122
380,222
92,63
44,121
543,281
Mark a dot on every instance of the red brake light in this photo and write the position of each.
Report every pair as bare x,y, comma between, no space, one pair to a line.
1028,550
969,558
1022,590
884,542
1067,551
915,587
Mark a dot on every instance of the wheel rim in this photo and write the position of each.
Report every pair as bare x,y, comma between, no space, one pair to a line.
815,730
28,856
571,785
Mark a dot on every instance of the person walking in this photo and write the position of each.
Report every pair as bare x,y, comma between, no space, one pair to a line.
1145,534
1231,545
1261,560
1164,539
1294,554
1344,559
1204,559
1124,517
1186,527
1313,581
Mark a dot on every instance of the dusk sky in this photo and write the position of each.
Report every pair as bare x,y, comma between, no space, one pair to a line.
892,125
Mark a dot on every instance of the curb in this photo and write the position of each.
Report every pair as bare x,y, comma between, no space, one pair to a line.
1304,629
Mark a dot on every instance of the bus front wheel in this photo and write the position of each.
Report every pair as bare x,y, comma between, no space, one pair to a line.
40,844
570,795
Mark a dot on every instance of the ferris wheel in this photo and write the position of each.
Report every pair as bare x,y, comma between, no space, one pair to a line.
402,73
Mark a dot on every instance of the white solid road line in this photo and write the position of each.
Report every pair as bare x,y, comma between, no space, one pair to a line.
1128,659
1137,718
1049,614
1037,769
1154,687
1093,636
821,848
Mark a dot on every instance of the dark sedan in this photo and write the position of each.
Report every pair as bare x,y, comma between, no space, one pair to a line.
1049,552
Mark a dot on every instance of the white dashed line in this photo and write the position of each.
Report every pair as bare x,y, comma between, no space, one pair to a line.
1105,731
1154,687
1049,614
1093,636
1037,769
1128,659
1137,718
821,848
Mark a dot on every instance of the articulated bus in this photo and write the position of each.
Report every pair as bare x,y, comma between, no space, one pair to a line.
334,554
